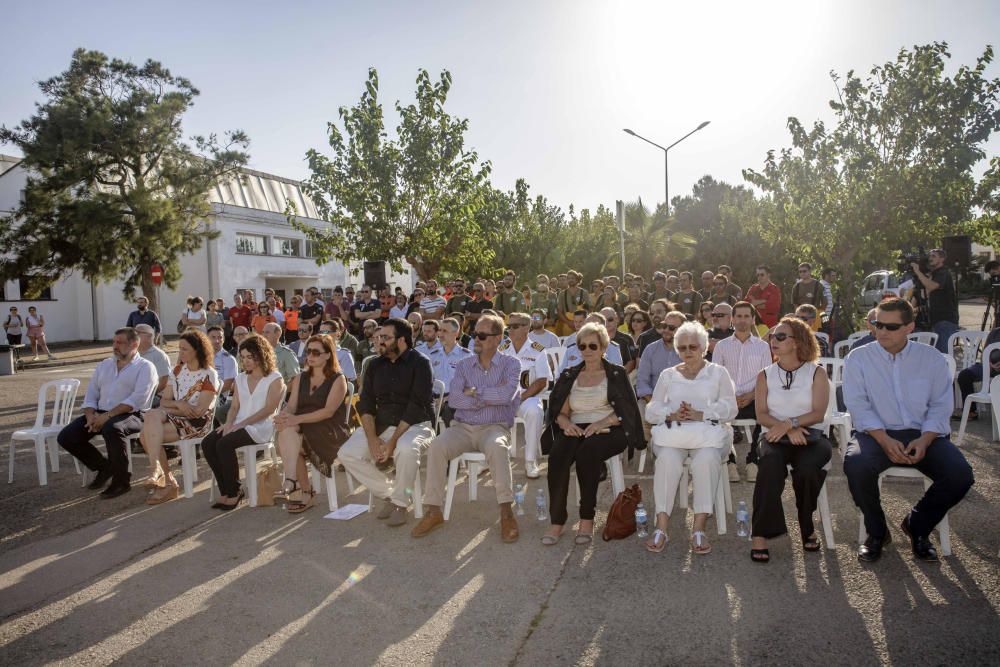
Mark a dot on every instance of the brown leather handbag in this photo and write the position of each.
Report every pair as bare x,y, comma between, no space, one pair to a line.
621,516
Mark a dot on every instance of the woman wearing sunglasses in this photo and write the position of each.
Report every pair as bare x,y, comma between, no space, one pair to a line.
791,398
638,324
705,314
313,424
689,407
592,416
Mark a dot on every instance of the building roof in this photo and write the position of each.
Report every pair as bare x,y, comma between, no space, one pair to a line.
8,162
265,192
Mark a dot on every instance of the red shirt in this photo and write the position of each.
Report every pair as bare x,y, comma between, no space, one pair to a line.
240,316
769,311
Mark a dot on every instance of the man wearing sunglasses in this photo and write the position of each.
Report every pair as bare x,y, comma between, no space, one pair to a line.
899,394
807,289
485,393
535,378
744,356
538,333
720,291
765,296
657,312
656,358
396,413
573,354
942,304
474,308
722,326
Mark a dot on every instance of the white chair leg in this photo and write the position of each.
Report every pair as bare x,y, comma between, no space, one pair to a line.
724,481
10,462
350,482
682,489
943,528
53,448
449,495
473,480
823,503
188,465
331,491
316,477
720,499
964,422
250,468
418,497
617,475
642,460
43,477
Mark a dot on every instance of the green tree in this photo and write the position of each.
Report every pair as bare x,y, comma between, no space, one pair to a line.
652,240
894,171
112,188
522,232
412,198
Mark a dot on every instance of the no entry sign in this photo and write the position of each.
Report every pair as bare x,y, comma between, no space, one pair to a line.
156,273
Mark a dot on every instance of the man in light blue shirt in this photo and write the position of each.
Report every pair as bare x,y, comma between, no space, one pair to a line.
656,358
900,397
443,359
120,387
573,355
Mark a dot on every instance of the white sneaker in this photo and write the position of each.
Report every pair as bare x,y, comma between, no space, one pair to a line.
35,358
52,356
532,470
734,472
751,472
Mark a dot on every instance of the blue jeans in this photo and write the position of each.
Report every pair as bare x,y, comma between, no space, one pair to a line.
943,463
944,329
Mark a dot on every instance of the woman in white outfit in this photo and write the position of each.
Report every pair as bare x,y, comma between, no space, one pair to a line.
690,405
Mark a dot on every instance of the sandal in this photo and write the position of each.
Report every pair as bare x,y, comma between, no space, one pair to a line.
762,556
811,543
239,498
297,504
285,491
550,540
699,543
583,538
655,546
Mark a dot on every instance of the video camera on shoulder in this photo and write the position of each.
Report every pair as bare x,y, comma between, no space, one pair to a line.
918,258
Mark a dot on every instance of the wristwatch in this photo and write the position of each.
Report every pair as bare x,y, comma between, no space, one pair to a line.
794,421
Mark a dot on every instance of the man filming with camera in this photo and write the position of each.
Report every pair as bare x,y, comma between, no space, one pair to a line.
942,303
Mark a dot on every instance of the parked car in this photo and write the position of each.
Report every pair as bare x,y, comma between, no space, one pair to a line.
878,286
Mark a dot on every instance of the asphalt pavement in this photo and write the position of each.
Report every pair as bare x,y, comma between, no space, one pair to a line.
87,581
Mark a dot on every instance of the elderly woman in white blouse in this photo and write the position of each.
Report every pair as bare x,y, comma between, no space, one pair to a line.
690,405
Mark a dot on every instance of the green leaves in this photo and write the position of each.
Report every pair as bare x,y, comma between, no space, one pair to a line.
112,186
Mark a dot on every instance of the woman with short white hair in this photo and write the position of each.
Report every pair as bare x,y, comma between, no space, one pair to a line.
690,405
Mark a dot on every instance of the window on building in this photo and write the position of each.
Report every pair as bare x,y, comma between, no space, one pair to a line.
327,293
310,248
27,295
251,244
288,247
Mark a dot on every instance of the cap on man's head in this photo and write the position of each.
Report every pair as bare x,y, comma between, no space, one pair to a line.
144,328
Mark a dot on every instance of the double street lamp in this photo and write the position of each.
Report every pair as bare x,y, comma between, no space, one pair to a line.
666,151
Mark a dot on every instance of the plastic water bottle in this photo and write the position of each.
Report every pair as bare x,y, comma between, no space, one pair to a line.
519,499
541,511
742,520
641,522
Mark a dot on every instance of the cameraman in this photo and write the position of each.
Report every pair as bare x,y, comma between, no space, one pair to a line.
942,310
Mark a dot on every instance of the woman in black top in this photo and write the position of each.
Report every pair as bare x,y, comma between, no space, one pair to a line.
313,423
593,415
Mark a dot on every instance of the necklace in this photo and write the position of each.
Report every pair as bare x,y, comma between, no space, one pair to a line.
789,378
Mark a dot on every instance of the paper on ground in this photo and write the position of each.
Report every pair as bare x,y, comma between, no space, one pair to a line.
347,512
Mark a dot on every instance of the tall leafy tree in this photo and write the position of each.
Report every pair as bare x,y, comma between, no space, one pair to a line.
414,197
895,170
112,187
652,240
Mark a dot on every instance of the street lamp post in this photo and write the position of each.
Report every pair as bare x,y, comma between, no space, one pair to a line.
666,154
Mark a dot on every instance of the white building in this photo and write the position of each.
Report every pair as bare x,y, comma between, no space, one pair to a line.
257,248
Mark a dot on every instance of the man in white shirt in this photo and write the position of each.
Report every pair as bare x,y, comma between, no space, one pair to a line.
156,356
227,368
443,359
535,376
120,387
538,333
573,355
432,306
744,356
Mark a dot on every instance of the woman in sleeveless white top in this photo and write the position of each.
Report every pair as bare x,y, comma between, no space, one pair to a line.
258,394
791,397
689,407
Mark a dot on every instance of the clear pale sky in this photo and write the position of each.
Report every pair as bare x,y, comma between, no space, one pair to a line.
547,85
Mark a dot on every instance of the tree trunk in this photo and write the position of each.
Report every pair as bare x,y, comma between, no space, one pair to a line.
425,270
149,290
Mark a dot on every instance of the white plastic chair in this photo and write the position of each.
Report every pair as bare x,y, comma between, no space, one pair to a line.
925,337
856,336
825,337
963,347
841,348
723,503
472,460
63,396
249,453
555,355
981,396
330,483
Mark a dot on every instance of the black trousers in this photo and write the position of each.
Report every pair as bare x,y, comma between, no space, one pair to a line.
943,463
589,455
14,339
807,463
220,452
75,439
749,411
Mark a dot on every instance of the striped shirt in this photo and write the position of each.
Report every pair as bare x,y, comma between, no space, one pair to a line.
497,396
744,361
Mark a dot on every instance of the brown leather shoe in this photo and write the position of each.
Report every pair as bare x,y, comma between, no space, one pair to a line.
432,519
508,529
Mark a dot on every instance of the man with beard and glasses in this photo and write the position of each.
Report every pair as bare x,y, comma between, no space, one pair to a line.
657,312
120,387
485,395
396,414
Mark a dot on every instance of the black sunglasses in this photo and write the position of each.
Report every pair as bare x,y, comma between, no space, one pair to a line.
717,315
780,336
483,336
313,352
688,348
891,326
669,327
593,347
806,318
